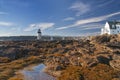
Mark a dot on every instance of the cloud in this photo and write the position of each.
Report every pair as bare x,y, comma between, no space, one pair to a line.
105,3
6,24
91,26
3,13
5,34
61,28
80,8
16,28
85,27
69,19
89,20
42,26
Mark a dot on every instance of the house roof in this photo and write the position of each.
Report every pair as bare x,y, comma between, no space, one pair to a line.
111,23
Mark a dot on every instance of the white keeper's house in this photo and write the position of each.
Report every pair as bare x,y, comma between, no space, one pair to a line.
111,27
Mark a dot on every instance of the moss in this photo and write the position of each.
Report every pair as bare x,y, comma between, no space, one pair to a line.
8,70
30,52
15,78
72,73
99,72
4,60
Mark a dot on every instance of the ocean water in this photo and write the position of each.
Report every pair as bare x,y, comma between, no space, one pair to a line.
37,74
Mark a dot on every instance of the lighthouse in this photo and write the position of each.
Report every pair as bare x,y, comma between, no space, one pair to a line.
39,35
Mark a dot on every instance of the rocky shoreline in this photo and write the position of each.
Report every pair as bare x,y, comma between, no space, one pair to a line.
96,58
87,55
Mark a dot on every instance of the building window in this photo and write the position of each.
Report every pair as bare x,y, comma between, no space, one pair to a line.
113,26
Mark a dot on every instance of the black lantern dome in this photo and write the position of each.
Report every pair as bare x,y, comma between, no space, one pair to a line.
39,31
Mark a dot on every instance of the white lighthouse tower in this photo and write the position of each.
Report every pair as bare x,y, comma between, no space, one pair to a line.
39,35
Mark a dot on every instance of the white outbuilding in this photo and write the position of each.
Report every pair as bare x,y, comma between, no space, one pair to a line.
111,27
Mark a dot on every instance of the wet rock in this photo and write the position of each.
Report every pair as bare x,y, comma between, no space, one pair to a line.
102,39
103,59
58,67
114,45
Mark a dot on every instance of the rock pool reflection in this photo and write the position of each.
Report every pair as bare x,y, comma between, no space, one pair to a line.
37,74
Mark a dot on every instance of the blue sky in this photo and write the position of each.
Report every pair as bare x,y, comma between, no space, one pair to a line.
56,17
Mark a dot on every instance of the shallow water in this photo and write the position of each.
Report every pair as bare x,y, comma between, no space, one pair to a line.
37,74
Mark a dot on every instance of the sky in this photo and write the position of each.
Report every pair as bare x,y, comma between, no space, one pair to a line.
56,17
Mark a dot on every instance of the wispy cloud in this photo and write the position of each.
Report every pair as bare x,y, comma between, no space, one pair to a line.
69,19
105,3
3,13
5,34
89,20
80,8
42,26
91,26
16,28
6,24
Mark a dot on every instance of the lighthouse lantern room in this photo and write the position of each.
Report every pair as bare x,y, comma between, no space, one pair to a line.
39,35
